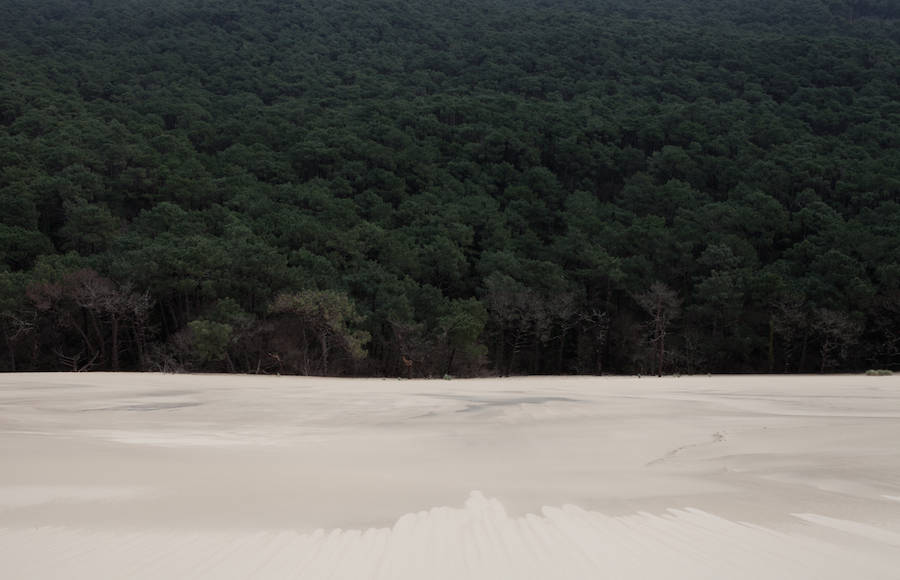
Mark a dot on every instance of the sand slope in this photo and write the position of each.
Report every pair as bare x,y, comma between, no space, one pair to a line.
162,476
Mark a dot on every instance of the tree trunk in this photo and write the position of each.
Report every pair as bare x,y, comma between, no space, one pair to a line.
12,354
498,351
561,352
659,335
825,352
85,338
323,341
450,361
662,351
510,363
139,344
174,314
307,370
114,347
802,364
162,317
100,340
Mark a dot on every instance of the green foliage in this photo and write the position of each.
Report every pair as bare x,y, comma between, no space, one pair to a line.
209,340
488,186
89,228
327,321
20,247
462,327
328,312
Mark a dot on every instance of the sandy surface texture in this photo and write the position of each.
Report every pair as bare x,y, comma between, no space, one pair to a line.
177,476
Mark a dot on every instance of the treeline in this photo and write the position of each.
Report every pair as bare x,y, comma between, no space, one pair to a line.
492,187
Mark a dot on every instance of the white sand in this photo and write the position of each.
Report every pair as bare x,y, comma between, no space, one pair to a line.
174,476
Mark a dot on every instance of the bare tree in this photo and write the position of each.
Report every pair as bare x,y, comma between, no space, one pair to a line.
16,326
73,361
524,316
512,307
95,310
790,321
563,308
837,333
594,329
108,306
663,305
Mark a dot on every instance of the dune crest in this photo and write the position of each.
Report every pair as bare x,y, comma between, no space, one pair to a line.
477,541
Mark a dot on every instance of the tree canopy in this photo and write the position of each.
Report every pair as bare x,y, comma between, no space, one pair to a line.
397,187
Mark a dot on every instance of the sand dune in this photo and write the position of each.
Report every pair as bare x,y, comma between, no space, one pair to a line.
161,476
477,541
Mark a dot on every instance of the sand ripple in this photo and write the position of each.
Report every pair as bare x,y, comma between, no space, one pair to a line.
479,540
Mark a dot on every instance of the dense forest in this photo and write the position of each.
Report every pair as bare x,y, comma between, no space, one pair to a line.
404,188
